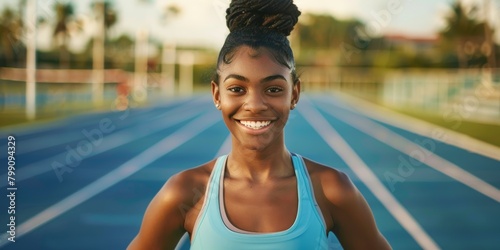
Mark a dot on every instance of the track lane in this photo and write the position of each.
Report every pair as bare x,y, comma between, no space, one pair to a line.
452,213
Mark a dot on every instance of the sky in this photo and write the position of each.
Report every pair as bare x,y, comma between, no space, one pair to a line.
202,22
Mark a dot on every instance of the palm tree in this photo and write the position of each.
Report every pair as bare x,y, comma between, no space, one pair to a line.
11,28
463,28
110,15
64,15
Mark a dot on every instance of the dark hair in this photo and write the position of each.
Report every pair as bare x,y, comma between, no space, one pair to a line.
260,24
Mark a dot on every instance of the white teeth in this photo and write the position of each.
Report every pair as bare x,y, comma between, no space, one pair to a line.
255,124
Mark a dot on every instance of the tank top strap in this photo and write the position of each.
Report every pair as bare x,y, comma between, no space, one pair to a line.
217,172
302,176
209,207
307,192
212,192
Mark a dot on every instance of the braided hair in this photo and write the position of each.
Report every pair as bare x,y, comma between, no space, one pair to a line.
260,23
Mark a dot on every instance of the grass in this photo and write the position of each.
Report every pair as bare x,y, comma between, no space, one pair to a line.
486,132
482,131
16,116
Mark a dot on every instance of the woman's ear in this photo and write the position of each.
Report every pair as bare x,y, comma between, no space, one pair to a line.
295,94
215,94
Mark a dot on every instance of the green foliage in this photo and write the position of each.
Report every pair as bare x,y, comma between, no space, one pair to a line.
465,35
462,23
324,31
325,40
318,39
11,28
110,14
64,12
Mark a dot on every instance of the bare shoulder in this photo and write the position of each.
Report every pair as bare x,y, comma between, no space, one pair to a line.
185,191
182,184
334,184
346,212
165,218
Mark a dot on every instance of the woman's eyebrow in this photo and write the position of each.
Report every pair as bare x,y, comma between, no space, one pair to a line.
273,77
237,77
244,79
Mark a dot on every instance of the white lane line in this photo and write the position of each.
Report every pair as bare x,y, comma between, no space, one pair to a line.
42,141
339,145
111,141
419,127
411,149
120,173
40,127
47,141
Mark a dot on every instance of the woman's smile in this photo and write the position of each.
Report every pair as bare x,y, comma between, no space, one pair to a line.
256,127
255,124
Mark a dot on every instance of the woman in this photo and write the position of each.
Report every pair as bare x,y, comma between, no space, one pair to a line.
259,196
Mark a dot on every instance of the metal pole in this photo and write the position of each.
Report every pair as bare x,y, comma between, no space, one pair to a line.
140,92
186,61
31,59
168,69
98,56
488,30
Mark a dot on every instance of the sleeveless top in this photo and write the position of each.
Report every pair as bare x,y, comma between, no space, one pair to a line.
213,230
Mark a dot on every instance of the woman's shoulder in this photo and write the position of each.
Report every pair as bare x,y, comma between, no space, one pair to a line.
344,208
173,203
186,185
192,177
334,184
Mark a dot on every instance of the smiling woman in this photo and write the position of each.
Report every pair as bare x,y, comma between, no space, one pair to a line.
260,195
255,96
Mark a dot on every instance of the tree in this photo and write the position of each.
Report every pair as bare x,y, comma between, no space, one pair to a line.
64,14
11,28
463,32
321,38
120,52
325,31
110,16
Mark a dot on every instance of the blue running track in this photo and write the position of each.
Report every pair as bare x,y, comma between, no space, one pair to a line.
84,182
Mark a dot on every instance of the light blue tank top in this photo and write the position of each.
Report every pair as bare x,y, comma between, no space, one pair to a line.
212,232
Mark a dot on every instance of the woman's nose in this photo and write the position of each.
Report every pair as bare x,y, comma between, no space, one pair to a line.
255,102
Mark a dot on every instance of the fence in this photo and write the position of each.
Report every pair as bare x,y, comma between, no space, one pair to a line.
472,93
57,91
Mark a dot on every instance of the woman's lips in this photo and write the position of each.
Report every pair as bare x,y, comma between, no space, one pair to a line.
255,124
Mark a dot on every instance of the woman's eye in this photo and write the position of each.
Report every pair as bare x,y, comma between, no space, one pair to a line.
274,90
236,89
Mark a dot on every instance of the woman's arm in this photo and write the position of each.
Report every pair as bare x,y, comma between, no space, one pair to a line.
163,222
353,221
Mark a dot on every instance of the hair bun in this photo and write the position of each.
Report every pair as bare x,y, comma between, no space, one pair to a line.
276,15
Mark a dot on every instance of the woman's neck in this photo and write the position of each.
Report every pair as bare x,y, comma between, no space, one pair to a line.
259,165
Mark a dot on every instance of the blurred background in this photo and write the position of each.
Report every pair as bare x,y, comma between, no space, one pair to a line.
69,66
436,60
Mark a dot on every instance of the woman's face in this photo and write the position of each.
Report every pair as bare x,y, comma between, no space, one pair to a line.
255,94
